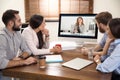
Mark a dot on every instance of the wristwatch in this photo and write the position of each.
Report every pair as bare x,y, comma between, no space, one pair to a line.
97,60
21,57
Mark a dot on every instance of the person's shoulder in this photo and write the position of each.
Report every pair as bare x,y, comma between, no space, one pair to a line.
2,32
116,42
105,35
27,29
117,49
118,45
2,35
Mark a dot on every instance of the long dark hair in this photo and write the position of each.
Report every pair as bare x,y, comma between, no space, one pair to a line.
114,26
35,22
77,24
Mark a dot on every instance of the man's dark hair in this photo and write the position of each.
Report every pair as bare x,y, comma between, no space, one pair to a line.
9,15
114,26
36,21
103,17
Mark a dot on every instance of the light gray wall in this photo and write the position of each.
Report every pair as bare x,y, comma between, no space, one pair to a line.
107,5
12,4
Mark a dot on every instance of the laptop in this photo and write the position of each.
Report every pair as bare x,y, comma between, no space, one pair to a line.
77,63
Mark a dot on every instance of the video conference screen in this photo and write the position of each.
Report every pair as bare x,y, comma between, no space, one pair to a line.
77,25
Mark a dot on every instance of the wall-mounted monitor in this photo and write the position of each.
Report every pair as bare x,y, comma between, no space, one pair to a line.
77,25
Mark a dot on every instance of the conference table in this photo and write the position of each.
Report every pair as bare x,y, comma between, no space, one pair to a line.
55,71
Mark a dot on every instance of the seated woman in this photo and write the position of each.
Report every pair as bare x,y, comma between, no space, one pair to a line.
111,61
37,37
79,26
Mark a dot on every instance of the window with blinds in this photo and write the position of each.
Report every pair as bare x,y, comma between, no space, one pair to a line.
51,9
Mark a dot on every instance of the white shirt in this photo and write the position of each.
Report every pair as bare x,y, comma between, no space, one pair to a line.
32,41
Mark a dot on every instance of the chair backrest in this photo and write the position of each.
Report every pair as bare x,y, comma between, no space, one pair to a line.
24,25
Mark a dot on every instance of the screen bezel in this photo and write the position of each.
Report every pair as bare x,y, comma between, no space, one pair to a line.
75,36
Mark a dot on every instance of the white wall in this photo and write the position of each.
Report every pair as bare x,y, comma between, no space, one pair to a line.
12,4
107,5
113,6
99,5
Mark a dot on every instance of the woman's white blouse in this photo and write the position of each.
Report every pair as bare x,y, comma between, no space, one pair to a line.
32,41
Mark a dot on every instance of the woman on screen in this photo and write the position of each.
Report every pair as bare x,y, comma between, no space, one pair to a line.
37,36
79,26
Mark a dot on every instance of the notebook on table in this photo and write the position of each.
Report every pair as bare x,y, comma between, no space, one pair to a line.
77,63
54,58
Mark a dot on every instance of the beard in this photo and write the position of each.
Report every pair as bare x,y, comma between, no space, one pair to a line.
15,28
101,30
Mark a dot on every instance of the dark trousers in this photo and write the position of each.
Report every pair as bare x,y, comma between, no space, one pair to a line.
115,76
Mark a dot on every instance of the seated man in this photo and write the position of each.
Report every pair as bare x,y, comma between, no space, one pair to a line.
102,19
11,42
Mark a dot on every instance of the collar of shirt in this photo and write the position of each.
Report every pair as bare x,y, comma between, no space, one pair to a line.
105,34
11,34
31,29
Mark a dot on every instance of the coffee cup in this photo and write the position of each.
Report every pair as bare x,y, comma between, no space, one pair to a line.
58,45
42,61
